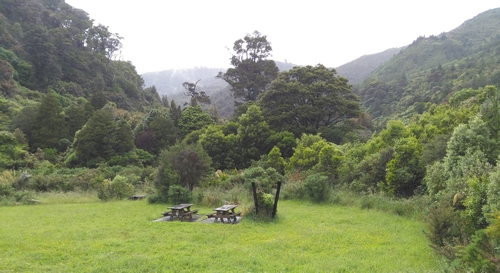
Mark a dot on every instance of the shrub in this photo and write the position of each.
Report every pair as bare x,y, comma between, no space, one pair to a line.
316,187
479,255
266,203
265,179
118,188
444,229
178,194
293,187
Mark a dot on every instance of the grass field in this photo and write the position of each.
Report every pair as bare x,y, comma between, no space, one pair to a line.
121,237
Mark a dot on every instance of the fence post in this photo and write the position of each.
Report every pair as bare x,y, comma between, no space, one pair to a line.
275,207
254,189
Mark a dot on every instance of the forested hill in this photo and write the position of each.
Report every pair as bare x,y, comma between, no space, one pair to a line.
49,45
356,71
432,68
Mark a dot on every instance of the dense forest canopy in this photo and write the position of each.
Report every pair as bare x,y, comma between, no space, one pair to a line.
423,126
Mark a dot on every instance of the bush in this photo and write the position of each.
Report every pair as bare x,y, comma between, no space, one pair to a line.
265,179
118,188
444,229
479,255
178,194
316,187
293,187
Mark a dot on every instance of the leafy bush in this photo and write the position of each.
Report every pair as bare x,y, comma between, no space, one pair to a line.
178,194
118,188
264,178
444,229
266,203
480,255
316,187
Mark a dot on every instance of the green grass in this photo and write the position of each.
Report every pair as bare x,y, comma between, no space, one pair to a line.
121,237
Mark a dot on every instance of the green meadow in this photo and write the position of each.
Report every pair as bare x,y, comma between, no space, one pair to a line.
122,237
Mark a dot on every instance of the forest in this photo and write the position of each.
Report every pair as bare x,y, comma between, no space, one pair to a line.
422,128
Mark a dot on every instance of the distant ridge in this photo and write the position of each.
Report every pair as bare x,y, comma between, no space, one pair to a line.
356,71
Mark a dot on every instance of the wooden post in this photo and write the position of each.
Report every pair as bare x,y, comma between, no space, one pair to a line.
275,207
254,188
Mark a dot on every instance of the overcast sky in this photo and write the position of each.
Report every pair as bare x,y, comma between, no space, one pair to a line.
165,34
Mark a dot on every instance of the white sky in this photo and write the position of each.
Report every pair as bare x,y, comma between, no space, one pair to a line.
166,34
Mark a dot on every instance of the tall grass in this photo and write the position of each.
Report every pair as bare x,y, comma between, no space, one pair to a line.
120,236
415,207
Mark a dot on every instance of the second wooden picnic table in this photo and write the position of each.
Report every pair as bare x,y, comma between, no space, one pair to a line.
180,211
226,211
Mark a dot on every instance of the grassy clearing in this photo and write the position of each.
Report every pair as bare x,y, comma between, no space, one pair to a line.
121,237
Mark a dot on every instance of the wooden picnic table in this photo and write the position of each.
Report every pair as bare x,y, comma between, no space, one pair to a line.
180,211
225,212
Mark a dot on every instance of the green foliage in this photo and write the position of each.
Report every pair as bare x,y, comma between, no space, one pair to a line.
306,154
178,194
224,149
193,118
13,155
263,178
285,141
101,139
480,255
253,133
189,162
307,99
252,72
404,173
317,187
49,125
118,188
276,161
330,159
444,229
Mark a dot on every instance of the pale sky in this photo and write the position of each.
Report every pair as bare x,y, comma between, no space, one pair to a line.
165,34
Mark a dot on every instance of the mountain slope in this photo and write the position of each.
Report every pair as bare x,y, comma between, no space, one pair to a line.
431,69
357,70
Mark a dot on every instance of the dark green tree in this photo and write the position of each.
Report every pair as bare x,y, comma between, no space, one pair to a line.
98,100
189,161
175,112
102,138
252,72
76,116
307,99
165,132
222,146
253,133
193,118
49,125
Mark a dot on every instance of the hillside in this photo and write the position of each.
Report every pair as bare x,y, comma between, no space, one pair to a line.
49,45
357,70
433,68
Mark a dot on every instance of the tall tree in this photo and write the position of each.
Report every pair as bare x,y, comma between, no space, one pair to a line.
307,99
49,125
252,72
101,138
196,97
